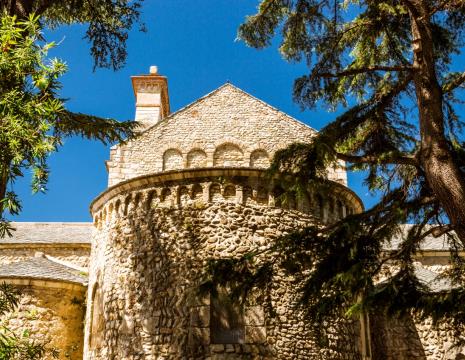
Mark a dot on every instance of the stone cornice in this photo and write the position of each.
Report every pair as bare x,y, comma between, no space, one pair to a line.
144,181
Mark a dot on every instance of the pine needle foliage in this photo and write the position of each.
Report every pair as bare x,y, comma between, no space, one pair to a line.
33,118
389,66
108,22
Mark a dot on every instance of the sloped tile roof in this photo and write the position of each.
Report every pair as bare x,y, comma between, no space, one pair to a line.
50,233
432,280
429,243
43,269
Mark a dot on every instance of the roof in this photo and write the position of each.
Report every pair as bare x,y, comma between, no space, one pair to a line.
50,233
434,281
43,269
429,243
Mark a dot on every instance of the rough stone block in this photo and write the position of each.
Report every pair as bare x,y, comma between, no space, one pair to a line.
255,334
254,316
200,316
199,336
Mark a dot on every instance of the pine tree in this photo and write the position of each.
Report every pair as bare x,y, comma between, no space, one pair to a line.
390,66
33,118
108,22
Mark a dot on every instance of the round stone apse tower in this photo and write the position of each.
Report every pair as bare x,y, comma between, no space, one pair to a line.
190,188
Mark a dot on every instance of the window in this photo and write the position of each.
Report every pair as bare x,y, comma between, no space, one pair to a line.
226,321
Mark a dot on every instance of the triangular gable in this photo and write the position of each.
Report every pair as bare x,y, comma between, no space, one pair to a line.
218,90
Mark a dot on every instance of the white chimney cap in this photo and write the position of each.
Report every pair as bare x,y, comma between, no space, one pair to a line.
153,69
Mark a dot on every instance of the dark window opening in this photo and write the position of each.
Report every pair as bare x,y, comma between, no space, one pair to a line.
226,321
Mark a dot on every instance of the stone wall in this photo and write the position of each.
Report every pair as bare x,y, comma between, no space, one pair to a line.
412,339
149,251
76,255
225,128
51,314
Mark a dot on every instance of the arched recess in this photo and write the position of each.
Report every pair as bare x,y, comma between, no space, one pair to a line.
172,159
197,192
152,200
259,158
97,323
196,158
332,208
247,195
166,198
340,209
304,202
228,155
278,195
320,207
262,196
184,197
118,207
230,192
127,205
215,193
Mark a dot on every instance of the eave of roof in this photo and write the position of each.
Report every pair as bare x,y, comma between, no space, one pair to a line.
41,268
49,233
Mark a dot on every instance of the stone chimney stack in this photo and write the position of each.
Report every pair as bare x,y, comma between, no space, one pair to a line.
152,101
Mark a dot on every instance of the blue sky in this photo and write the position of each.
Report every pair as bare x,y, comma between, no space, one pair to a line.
193,44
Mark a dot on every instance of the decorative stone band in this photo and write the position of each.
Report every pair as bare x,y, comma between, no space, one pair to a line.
238,185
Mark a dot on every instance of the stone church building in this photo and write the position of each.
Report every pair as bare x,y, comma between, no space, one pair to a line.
191,188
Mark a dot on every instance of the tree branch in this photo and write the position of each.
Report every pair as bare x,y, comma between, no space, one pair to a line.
437,231
350,72
454,83
447,5
369,159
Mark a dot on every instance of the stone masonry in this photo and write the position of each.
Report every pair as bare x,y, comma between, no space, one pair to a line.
189,188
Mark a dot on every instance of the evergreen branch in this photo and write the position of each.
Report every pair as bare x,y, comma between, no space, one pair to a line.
438,231
350,72
447,5
454,83
94,127
369,159
411,6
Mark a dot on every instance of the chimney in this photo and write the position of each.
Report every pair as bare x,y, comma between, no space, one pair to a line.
152,101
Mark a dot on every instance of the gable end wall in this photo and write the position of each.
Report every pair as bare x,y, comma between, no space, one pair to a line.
226,116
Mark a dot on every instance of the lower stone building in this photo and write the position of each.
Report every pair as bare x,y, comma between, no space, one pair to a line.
189,188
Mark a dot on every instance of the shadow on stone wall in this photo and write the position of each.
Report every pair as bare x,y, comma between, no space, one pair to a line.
155,257
395,339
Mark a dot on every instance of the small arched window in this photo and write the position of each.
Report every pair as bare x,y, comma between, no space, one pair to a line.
259,158
228,155
196,158
172,159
